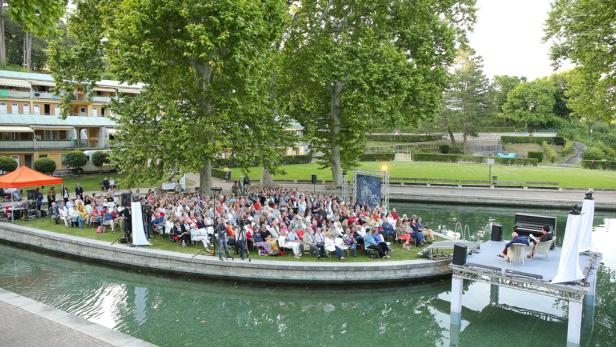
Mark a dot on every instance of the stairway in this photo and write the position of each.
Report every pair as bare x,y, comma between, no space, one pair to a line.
402,157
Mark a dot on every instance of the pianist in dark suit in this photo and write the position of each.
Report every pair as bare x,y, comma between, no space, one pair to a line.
546,235
515,238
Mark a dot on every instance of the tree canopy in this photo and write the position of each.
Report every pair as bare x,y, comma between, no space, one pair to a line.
531,103
583,32
205,69
349,65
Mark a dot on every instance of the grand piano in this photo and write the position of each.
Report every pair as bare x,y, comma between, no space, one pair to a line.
526,224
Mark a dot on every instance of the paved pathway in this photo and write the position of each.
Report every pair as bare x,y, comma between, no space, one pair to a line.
27,323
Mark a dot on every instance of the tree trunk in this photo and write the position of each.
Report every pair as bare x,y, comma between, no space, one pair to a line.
334,115
451,137
465,136
267,180
205,177
27,50
2,41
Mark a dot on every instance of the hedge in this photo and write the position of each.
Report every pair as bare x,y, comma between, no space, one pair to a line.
378,157
454,158
556,140
517,161
75,159
405,138
7,164
537,155
599,164
45,165
451,158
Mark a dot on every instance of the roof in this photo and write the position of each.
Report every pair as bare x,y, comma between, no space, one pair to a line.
26,177
32,76
76,121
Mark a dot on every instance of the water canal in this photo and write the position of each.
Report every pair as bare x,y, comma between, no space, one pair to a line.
180,311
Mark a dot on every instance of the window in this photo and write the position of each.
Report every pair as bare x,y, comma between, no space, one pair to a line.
94,111
14,108
26,109
57,110
37,110
47,109
82,111
3,107
42,155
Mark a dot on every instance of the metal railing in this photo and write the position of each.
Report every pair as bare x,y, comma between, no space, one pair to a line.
471,183
44,95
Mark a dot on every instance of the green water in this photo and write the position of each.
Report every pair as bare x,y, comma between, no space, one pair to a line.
182,311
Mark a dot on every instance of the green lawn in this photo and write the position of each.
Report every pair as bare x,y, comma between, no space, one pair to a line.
162,243
567,177
92,182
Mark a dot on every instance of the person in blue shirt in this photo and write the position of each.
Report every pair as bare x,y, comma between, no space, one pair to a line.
515,238
417,235
371,240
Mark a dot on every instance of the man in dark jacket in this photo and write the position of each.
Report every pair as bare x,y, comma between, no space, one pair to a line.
221,233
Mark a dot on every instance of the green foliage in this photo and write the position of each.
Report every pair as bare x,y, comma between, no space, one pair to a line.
14,37
377,157
549,151
7,164
557,140
443,148
405,138
288,159
594,153
466,102
501,86
75,159
351,66
37,16
209,71
531,104
517,161
100,158
599,164
568,148
45,165
452,158
537,155
582,32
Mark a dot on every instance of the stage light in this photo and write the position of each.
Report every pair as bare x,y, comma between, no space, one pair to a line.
384,168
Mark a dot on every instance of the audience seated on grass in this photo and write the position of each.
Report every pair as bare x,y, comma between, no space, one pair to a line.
271,221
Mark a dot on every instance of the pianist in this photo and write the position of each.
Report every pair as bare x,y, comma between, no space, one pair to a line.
515,238
546,235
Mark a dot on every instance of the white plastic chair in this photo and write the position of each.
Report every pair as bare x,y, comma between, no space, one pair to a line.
544,248
517,253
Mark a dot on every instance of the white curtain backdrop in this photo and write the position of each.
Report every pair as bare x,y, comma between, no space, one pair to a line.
588,214
569,266
137,223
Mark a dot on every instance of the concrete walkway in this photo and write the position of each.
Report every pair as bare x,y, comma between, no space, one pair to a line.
27,323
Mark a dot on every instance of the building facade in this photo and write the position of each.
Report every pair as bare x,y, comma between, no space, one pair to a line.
30,122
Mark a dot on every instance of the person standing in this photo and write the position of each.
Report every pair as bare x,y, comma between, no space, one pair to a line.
38,200
65,194
221,233
51,196
78,191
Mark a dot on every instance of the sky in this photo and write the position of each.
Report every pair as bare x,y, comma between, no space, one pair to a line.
508,35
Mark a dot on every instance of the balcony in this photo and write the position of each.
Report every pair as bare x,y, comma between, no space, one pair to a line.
45,95
105,99
60,144
17,144
14,94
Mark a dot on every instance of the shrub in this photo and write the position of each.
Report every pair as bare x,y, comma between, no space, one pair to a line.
517,161
537,155
557,140
377,157
100,158
443,148
594,153
451,158
568,149
406,138
75,160
7,164
297,159
45,165
599,164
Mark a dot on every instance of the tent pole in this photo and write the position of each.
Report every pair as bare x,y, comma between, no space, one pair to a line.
12,208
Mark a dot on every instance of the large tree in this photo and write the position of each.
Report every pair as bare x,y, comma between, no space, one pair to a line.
36,16
205,69
501,86
466,102
353,64
531,104
583,32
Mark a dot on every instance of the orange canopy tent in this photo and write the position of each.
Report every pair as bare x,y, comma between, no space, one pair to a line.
26,177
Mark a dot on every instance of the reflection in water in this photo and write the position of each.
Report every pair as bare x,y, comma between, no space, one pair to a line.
186,312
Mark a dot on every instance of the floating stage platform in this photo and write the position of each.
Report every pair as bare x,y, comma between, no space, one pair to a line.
533,275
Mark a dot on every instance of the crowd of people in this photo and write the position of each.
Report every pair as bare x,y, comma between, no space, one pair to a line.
273,221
